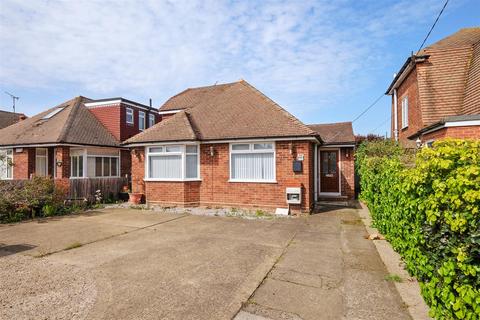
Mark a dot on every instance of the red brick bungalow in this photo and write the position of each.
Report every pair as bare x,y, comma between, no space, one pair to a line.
79,139
230,145
436,93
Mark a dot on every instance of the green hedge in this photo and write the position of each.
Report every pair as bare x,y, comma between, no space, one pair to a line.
427,205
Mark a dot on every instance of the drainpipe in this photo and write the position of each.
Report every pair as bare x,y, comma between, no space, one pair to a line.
395,115
315,173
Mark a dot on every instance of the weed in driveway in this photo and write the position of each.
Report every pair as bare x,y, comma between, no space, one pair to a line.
393,278
73,246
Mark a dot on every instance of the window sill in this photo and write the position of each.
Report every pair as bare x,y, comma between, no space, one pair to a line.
403,128
170,180
253,181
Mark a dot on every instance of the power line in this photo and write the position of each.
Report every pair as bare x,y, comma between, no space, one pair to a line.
369,107
433,26
389,118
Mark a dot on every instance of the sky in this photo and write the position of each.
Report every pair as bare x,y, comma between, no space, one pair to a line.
323,61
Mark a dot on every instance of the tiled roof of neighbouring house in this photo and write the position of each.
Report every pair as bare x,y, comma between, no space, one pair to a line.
69,122
9,118
335,133
228,111
448,76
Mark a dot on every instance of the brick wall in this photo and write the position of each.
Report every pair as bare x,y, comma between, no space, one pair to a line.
470,132
23,163
215,188
125,163
408,88
347,172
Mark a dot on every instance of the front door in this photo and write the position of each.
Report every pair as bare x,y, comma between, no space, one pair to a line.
329,175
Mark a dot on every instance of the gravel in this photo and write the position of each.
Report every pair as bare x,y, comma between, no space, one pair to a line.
36,288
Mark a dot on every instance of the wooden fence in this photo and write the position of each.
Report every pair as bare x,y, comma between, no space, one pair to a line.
86,188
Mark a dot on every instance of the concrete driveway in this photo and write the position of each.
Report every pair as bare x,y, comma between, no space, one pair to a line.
133,264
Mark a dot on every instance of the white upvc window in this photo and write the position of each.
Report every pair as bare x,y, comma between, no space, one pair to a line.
41,162
173,163
404,112
6,164
141,120
252,162
151,120
76,166
129,117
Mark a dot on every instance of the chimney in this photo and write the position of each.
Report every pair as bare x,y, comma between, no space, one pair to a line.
22,117
150,102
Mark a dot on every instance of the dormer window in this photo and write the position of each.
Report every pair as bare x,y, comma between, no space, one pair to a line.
141,120
129,118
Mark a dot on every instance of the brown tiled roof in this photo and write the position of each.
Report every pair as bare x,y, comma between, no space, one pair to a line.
9,118
229,111
74,124
449,80
334,133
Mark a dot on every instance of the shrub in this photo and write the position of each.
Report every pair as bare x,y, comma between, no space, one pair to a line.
429,211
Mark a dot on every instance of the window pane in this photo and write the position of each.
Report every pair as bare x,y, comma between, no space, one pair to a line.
165,167
98,166
4,165
41,152
192,168
141,120
191,149
114,166
173,149
263,146
80,166
245,146
41,166
156,149
106,167
151,120
91,167
253,166
74,167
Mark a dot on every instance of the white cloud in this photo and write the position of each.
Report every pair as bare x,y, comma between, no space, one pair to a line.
299,47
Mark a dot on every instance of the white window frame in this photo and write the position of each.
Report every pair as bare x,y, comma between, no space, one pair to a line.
129,113
182,153
41,156
8,153
404,112
252,150
151,120
78,166
141,121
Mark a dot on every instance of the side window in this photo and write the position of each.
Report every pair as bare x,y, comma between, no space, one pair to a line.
404,112
129,118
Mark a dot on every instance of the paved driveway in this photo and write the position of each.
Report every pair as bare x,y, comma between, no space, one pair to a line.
132,264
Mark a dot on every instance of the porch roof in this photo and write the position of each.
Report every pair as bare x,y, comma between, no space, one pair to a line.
335,133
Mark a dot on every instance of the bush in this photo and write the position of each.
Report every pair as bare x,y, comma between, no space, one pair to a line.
427,205
30,198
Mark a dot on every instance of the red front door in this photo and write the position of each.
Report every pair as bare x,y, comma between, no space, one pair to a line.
329,175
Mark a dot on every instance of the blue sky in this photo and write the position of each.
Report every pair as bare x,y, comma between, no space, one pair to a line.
324,61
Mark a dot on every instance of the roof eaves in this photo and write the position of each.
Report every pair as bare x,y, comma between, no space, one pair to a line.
405,70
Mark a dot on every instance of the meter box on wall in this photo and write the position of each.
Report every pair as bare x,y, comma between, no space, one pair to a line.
294,195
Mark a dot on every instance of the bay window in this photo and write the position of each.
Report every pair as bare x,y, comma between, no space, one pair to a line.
173,162
252,162
6,162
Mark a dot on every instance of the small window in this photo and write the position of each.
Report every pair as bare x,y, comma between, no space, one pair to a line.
52,113
151,120
173,149
76,163
263,146
41,162
129,118
6,164
244,146
404,112
141,120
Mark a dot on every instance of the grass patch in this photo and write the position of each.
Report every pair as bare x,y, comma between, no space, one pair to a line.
73,246
393,278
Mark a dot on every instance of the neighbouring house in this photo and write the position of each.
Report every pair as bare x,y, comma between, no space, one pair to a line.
77,143
230,145
436,93
9,118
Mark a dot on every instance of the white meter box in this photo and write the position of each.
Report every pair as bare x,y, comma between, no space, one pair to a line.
294,195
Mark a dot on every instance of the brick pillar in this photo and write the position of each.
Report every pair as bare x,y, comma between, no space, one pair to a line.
138,170
62,177
23,163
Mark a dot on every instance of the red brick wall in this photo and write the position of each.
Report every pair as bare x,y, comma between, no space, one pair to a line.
215,188
113,117
347,172
23,163
470,132
409,87
125,163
